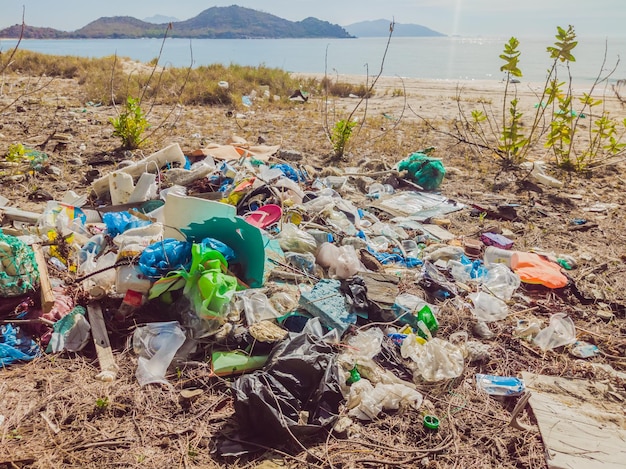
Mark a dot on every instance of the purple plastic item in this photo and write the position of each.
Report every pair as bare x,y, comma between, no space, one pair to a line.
497,240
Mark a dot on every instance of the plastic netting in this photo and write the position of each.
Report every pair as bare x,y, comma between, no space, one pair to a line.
18,268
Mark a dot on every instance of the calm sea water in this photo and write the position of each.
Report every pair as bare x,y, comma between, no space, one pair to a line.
445,58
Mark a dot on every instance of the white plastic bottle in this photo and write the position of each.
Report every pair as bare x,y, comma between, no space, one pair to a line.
495,255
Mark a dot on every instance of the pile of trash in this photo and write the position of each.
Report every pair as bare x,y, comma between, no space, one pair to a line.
319,296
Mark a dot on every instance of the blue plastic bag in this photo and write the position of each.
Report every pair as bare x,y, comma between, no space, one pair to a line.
119,222
160,258
15,346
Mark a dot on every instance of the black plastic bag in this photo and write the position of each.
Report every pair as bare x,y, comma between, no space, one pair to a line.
297,393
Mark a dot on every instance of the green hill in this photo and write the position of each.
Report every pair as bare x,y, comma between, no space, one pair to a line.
217,22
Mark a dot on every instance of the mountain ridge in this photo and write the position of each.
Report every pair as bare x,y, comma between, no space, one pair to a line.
233,22
380,28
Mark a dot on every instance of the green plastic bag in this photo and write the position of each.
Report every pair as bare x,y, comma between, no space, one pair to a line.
207,285
423,170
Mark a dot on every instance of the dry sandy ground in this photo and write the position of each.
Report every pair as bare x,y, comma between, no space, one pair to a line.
51,416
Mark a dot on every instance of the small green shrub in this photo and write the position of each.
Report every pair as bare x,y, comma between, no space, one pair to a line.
130,124
342,131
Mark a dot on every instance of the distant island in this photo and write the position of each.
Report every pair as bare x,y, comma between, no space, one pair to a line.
233,22
378,28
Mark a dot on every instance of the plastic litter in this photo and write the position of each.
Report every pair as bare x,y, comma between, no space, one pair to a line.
206,284
237,362
583,349
15,345
426,171
435,360
156,344
298,392
487,307
18,268
342,262
499,385
417,313
366,401
500,281
158,259
70,333
561,331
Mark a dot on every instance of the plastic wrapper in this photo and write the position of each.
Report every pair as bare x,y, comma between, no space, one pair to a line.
156,344
291,238
366,401
435,360
500,385
561,331
487,307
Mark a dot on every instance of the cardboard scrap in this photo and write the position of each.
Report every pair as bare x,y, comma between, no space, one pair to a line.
582,422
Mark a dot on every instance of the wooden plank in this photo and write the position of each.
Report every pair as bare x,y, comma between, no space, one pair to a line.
47,295
12,213
581,423
108,367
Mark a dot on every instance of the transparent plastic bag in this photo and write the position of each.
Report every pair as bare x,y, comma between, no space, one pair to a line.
487,307
293,239
501,281
342,262
561,331
156,344
256,306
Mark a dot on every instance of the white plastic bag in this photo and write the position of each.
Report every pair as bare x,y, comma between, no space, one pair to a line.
435,360
342,262
366,401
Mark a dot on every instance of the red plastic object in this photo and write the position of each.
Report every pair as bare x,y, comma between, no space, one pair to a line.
265,216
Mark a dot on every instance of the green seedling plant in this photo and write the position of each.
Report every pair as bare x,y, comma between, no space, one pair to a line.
102,403
555,124
342,131
130,124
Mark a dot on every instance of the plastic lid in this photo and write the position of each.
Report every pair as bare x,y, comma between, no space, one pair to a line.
431,422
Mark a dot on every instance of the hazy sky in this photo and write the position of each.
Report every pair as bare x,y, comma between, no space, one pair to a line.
605,18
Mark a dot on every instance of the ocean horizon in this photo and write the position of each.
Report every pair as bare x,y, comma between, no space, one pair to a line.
428,58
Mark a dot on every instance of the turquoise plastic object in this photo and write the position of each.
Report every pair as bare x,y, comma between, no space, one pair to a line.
423,170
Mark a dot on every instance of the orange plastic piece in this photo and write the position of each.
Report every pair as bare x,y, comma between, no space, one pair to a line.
532,268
